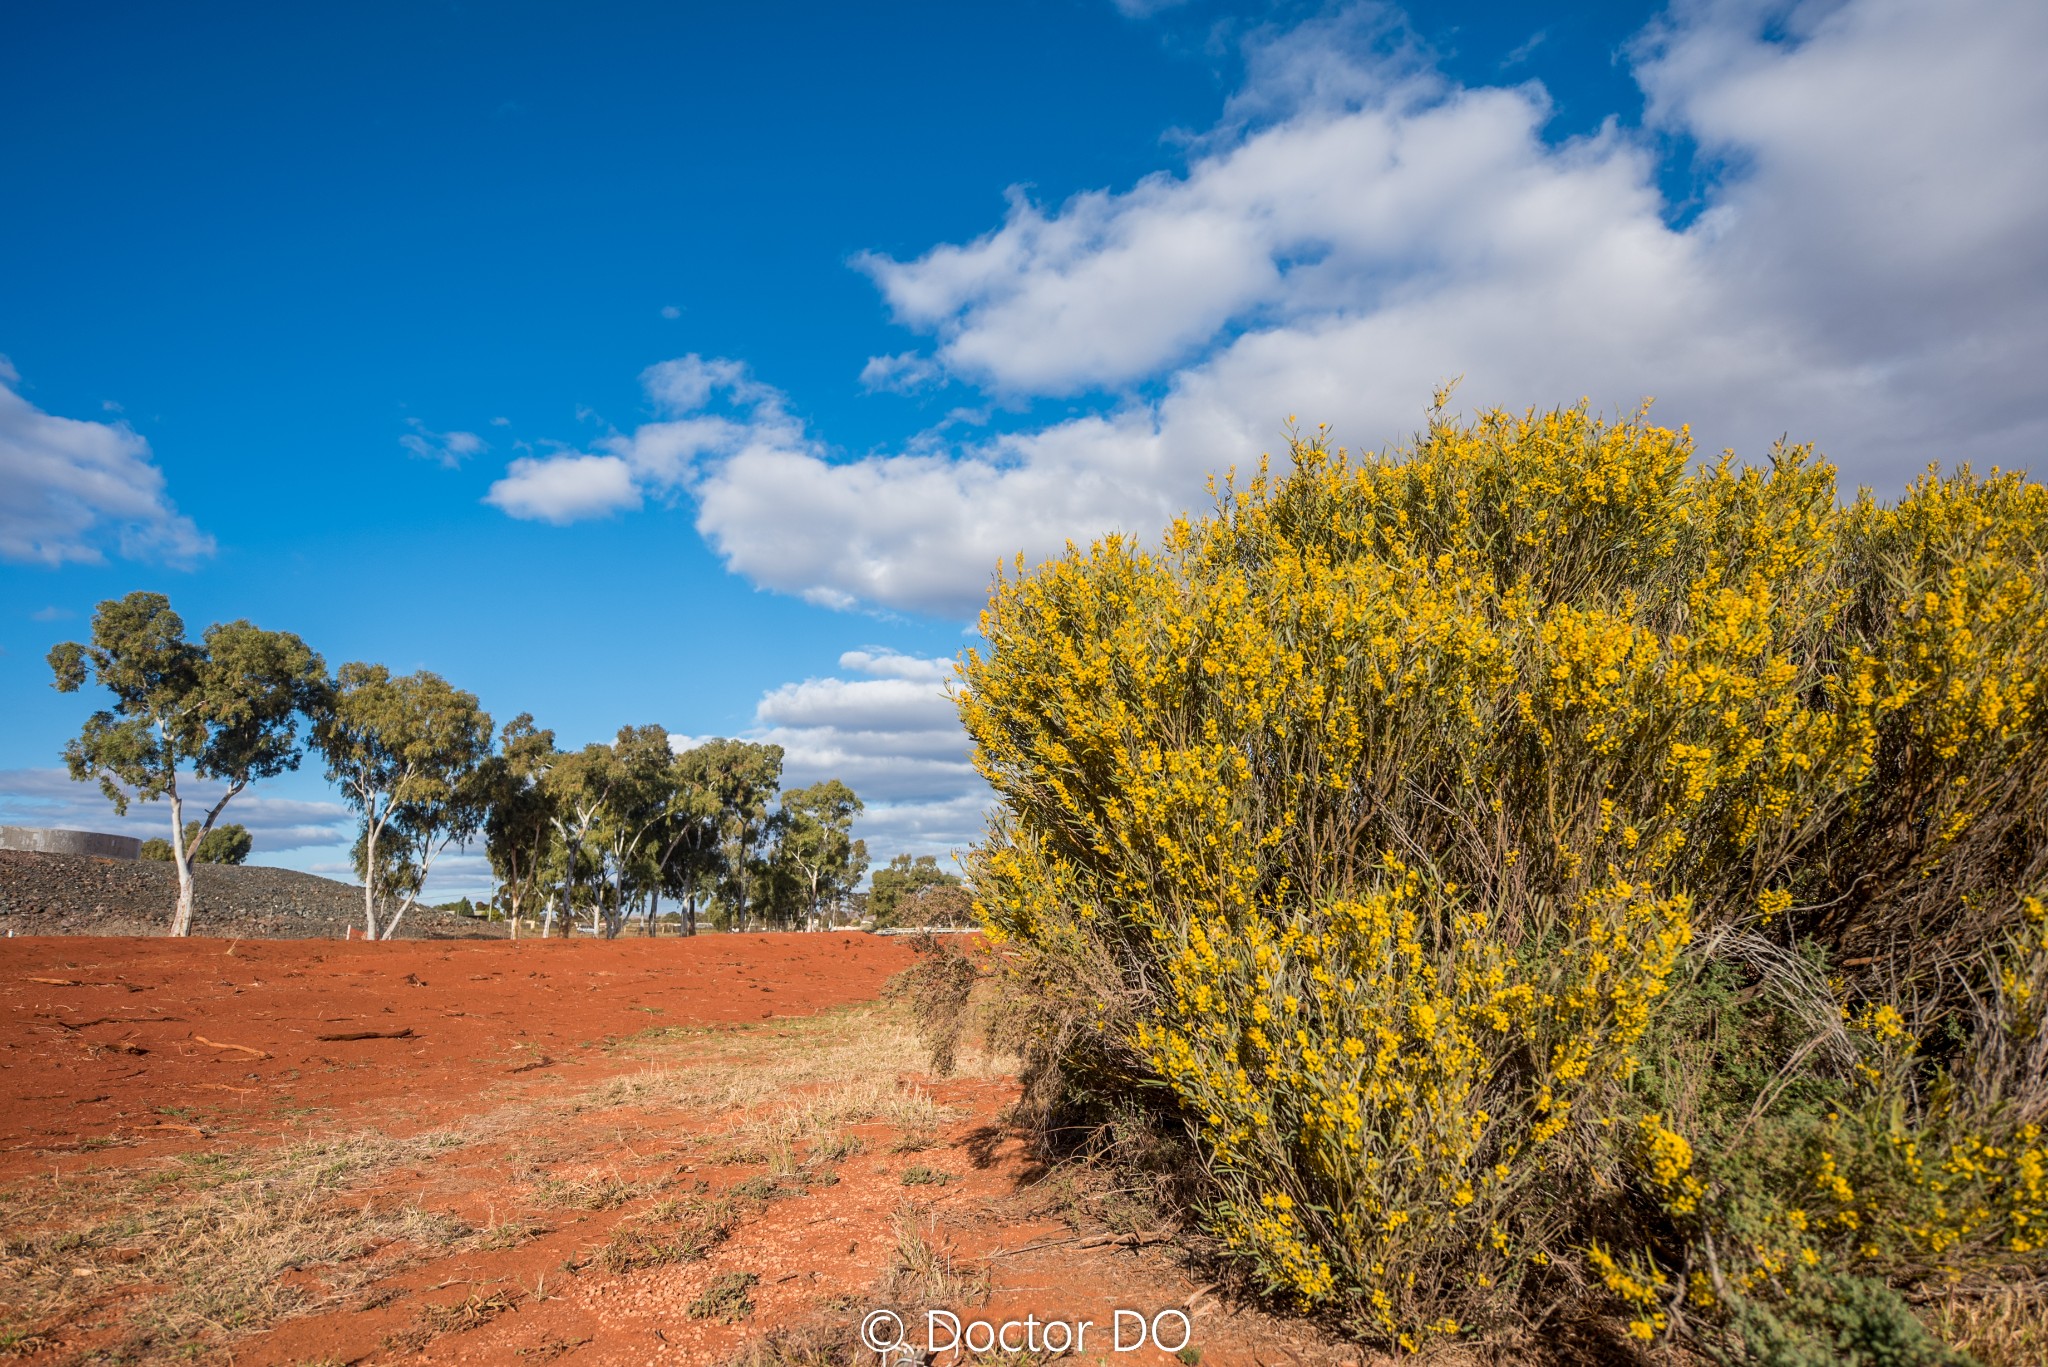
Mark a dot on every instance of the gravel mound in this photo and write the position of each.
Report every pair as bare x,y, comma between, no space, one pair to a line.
67,894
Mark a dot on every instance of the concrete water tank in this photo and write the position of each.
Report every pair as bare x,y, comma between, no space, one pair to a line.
70,842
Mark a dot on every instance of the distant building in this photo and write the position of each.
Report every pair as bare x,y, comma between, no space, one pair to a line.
70,842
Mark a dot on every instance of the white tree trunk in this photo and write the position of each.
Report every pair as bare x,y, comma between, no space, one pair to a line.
181,915
371,828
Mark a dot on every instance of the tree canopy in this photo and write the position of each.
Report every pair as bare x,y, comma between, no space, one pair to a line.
410,754
608,831
229,843
226,709
898,892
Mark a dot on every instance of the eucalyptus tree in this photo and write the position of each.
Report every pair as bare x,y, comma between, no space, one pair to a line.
742,778
410,754
903,883
227,709
227,843
578,787
519,833
815,844
639,789
394,876
689,857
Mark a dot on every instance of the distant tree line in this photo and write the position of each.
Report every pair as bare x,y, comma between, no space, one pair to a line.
597,837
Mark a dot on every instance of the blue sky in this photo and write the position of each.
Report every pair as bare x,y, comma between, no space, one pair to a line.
693,364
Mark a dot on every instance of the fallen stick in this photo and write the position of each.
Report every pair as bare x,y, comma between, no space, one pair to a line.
1157,1236
54,982
238,1048
406,1033
169,1125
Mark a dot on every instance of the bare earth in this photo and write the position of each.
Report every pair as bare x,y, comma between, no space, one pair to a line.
672,1151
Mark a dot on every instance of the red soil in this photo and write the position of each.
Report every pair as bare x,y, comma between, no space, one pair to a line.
122,1039
137,1053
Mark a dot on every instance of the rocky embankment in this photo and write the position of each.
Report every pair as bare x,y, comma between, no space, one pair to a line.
63,894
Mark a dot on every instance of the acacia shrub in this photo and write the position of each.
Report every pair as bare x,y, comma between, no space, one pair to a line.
1403,826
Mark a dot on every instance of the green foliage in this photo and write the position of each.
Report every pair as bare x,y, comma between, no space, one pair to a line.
396,877
1531,868
728,1299
1833,1320
740,778
895,889
225,709
815,844
412,755
226,844
519,832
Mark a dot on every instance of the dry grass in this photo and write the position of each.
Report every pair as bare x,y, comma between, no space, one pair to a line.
822,1344
589,1191
2007,1327
218,1246
727,1299
679,1231
471,1312
205,1249
925,1271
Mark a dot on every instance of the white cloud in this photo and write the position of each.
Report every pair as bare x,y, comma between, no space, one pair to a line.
884,663
671,312
1872,275
905,373
563,489
49,798
893,737
73,487
927,530
1869,272
659,458
446,448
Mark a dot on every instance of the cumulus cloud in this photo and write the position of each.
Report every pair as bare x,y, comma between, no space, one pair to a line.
76,487
890,664
49,798
893,736
1869,271
710,408
564,489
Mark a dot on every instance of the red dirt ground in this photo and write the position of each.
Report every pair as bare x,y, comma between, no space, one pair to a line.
99,1038
113,1072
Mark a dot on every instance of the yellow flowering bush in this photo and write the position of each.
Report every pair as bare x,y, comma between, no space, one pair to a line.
1517,859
